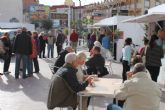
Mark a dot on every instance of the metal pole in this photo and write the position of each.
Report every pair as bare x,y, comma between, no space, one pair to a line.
80,15
158,25
69,13
113,42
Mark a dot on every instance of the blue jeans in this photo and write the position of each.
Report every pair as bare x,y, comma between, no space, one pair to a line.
113,107
17,66
51,48
30,66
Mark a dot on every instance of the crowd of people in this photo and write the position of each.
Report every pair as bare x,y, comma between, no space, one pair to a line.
27,47
140,73
73,71
140,90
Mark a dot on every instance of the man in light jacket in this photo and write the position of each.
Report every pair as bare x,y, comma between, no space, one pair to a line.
139,91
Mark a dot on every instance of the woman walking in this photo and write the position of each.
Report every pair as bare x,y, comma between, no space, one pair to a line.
154,53
126,58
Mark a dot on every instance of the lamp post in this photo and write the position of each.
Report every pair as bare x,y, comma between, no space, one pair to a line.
80,15
69,3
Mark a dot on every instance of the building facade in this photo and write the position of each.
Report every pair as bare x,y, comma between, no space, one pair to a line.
39,12
59,15
108,8
11,11
28,3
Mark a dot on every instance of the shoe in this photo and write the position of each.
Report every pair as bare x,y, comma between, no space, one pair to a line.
29,75
24,77
16,77
36,72
7,72
1,73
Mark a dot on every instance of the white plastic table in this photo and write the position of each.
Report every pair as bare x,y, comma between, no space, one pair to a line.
103,87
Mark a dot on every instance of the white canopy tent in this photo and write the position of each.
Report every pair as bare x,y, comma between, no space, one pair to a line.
132,30
148,18
154,14
92,27
111,21
159,8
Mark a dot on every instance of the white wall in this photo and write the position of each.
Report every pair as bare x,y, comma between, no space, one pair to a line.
11,9
134,31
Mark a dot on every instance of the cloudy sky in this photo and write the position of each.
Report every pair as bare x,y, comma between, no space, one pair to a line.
59,2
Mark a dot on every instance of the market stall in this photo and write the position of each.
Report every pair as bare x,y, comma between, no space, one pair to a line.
155,15
132,30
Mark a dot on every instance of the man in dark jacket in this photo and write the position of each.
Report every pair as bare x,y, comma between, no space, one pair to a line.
61,58
65,85
42,40
96,64
22,49
60,41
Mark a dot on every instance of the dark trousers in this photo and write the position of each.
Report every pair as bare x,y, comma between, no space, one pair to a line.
7,59
154,72
42,53
24,58
36,66
126,68
59,48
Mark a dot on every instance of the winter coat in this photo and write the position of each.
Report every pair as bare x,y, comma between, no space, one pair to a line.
64,88
60,94
74,37
7,45
34,49
140,93
153,56
37,43
22,44
96,65
60,39
60,60
42,42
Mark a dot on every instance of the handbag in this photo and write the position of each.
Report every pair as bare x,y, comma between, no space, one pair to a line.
2,50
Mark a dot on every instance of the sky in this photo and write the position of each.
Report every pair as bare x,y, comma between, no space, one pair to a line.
60,2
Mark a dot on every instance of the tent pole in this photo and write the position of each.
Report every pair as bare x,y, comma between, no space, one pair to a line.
113,42
158,25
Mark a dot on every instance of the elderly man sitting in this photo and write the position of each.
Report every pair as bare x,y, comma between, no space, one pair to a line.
140,92
65,85
61,58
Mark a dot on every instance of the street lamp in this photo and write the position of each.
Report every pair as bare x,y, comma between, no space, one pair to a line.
80,15
69,3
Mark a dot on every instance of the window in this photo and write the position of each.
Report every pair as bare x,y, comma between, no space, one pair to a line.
146,4
157,2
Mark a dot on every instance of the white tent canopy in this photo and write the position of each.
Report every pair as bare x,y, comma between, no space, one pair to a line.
152,17
154,14
111,21
157,9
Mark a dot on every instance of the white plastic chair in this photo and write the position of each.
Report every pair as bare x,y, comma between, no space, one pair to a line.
108,64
